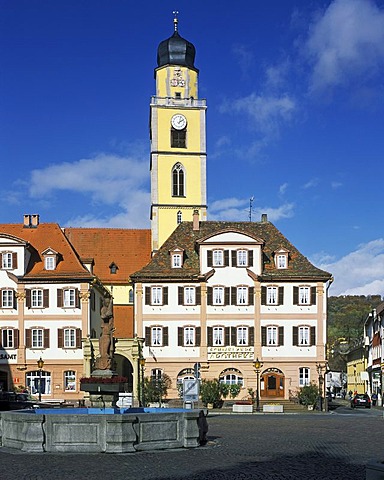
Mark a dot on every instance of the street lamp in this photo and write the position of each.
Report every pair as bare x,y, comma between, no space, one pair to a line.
142,368
320,372
40,365
258,365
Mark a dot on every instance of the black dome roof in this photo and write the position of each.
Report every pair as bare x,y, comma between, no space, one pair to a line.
176,51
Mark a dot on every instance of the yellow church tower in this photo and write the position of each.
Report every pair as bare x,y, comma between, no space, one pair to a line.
178,140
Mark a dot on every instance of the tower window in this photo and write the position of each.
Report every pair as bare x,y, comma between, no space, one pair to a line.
179,217
178,181
178,138
177,94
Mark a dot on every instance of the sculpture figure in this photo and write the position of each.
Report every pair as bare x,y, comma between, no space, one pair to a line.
104,360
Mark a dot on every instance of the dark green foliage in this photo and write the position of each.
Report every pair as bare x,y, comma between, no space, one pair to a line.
155,389
309,394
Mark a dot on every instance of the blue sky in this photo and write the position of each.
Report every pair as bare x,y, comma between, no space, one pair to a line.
295,98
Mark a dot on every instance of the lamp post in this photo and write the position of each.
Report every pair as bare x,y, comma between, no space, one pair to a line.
40,365
257,366
142,368
321,369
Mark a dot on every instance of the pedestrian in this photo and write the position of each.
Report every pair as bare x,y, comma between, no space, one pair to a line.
374,399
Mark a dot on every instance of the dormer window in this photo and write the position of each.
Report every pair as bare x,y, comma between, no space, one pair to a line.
8,260
50,259
281,259
177,258
113,268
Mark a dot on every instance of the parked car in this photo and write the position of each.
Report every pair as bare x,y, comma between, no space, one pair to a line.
361,400
15,401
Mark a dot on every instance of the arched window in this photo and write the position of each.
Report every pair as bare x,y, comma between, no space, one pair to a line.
178,181
179,217
34,384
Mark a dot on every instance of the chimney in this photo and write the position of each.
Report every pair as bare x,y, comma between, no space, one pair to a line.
35,220
27,221
196,223
264,218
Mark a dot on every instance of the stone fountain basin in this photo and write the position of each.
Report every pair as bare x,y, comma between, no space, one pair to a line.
92,430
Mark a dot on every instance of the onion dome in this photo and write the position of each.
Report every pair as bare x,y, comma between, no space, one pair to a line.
176,50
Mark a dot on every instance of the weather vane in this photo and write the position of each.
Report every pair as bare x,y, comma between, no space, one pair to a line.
175,19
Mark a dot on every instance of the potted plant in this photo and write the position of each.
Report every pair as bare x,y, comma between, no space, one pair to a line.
308,395
112,384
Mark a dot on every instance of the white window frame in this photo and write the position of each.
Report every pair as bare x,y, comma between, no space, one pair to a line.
218,336
242,337
156,336
156,295
218,295
70,380
69,297
50,263
304,376
218,258
232,379
242,258
189,295
6,260
304,336
272,295
304,295
272,336
37,298
242,295
176,260
37,338
281,261
8,338
189,334
69,337
7,298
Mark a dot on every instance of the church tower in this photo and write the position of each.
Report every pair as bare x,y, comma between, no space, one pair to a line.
178,140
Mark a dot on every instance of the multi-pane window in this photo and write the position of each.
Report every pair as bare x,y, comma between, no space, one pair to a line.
272,336
7,338
242,335
304,376
218,336
37,298
176,260
218,258
242,296
69,297
70,380
272,295
189,336
156,336
281,261
69,338
189,295
37,337
178,138
179,217
49,263
157,295
304,295
231,379
304,336
242,258
218,296
7,297
6,261
178,181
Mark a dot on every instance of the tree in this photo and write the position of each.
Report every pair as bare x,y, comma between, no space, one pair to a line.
155,389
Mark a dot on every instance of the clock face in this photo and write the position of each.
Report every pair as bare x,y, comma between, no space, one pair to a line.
179,121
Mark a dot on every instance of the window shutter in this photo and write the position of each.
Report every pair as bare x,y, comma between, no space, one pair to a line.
198,336
148,335
16,338
14,260
313,335
147,295
60,338
165,336
59,297
77,298
165,295
226,296
281,336
1,297
1,337
28,298
28,338
209,336
251,296
263,336
227,336
313,295
234,258
181,295
281,296
180,336
295,336
209,258
251,336
46,338
226,258
263,295
78,337
46,298
209,295
250,258
233,295
198,295
233,336
295,295
14,300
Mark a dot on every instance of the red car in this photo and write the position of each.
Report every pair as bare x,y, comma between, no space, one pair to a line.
361,400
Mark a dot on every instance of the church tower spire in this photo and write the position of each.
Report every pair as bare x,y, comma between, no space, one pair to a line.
178,139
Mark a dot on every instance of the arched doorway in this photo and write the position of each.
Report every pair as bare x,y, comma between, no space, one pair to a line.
272,383
124,368
3,381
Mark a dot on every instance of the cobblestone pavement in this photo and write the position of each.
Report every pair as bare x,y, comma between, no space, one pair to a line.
240,447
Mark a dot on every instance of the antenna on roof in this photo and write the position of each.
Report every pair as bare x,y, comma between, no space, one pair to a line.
250,207
175,19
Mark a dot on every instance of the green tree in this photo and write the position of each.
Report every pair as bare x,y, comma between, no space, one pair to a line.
155,389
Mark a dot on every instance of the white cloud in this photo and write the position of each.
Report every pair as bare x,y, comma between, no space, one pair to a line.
311,183
346,42
243,56
360,272
283,188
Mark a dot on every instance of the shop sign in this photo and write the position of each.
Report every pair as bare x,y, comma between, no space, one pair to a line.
230,353
8,356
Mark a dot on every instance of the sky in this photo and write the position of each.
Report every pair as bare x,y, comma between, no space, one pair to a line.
295,97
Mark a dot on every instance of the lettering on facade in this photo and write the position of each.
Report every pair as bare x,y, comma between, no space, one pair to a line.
8,356
230,353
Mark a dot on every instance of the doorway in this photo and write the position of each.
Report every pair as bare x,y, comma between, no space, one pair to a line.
272,383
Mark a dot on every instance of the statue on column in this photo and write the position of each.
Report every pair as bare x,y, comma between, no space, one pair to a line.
105,359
